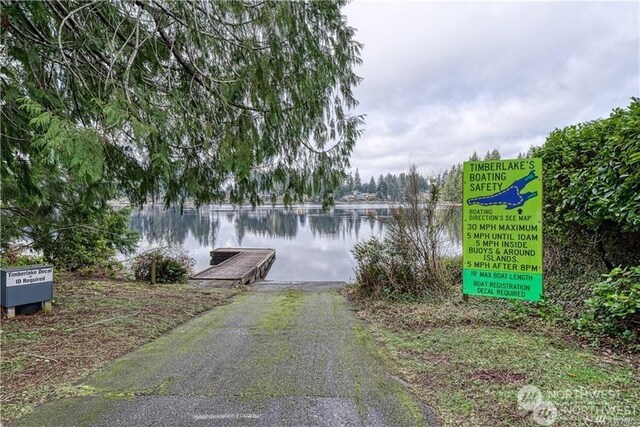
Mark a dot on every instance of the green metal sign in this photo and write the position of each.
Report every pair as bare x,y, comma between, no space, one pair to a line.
502,237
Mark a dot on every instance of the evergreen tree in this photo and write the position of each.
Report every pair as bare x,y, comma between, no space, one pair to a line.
349,184
492,155
372,186
402,184
357,184
424,183
382,188
171,100
451,187
393,189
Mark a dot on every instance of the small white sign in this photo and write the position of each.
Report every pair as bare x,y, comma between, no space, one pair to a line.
29,277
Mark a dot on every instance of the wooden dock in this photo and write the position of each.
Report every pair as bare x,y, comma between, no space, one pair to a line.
237,266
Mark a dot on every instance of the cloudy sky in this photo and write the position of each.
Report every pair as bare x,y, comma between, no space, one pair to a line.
444,79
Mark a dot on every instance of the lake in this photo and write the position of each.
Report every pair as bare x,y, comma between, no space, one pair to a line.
311,244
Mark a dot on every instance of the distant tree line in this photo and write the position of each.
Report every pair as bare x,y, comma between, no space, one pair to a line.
388,187
391,187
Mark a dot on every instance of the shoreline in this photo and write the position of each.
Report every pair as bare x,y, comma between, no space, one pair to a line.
229,207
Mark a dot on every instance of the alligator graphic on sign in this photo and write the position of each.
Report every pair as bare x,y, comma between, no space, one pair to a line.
511,196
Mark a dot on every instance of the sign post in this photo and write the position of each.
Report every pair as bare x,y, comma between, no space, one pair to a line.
502,229
23,286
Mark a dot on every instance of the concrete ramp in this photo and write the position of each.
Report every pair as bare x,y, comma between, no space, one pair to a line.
280,354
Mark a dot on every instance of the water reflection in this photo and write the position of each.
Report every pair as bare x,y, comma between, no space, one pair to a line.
169,227
267,224
311,244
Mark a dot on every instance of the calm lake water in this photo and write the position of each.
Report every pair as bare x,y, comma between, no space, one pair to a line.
311,244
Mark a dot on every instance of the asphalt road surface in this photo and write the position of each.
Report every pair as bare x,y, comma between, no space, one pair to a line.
282,354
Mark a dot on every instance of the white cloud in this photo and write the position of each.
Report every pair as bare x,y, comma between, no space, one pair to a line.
442,80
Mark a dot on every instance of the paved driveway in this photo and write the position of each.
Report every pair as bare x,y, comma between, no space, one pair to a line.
278,355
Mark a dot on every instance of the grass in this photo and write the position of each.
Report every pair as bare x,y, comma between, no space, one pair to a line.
468,362
93,322
284,309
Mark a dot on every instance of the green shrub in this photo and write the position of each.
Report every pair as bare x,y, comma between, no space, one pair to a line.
71,237
93,241
591,179
570,269
453,266
408,262
172,265
543,309
15,257
613,310
382,271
